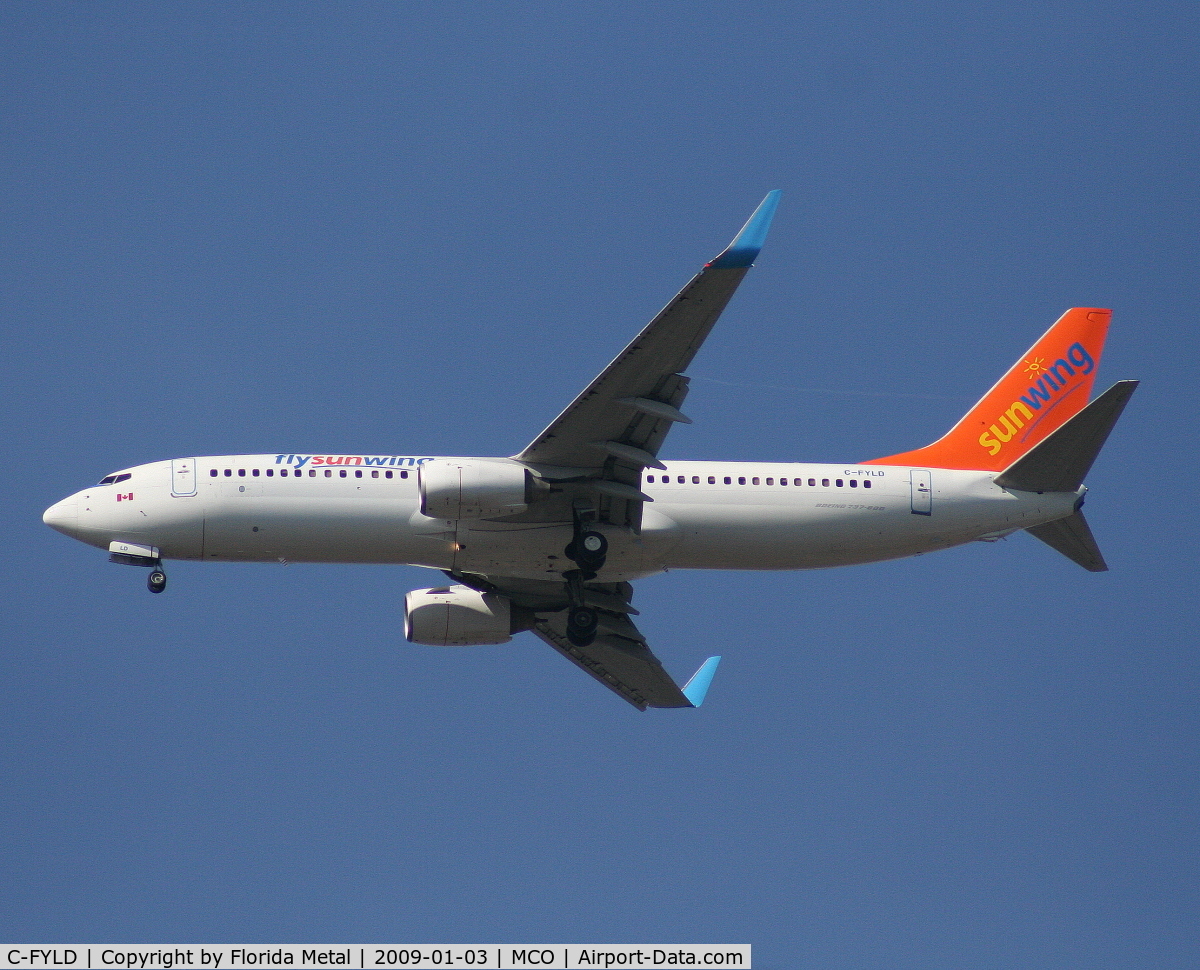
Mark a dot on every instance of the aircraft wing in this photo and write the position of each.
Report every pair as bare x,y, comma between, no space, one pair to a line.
621,661
619,657
618,423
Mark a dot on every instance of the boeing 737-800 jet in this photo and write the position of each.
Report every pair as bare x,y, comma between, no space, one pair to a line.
550,539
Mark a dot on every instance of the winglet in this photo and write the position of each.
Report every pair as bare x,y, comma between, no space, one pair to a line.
748,243
696,688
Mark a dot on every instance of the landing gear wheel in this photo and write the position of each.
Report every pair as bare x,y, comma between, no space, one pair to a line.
588,551
156,581
582,622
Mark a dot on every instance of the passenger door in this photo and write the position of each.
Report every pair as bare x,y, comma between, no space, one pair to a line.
183,477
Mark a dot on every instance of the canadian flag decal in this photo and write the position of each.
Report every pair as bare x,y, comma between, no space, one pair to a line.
126,497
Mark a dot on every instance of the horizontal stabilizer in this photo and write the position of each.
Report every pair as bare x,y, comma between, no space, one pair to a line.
696,689
1062,461
1072,537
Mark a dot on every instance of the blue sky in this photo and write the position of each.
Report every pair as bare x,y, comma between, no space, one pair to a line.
421,229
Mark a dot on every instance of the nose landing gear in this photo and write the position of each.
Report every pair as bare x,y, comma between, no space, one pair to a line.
156,582
129,554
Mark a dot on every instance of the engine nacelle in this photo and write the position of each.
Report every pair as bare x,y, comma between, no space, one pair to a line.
456,616
473,488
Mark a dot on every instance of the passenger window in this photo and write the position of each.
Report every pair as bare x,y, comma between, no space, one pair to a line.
839,483
255,473
680,479
867,483
770,481
270,473
728,480
754,481
312,473
342,473
650,479
404,474
797,482
241,473
228,473
825,483
387,474
328,473
741,481
783,481
812,482
854,483
712,479
695,479
212,472
375,473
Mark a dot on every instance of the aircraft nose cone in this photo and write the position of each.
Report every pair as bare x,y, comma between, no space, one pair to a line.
63,517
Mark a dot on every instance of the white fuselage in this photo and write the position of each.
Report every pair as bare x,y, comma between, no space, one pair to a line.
705,515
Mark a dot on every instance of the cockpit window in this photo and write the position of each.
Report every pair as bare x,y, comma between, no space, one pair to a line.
110,479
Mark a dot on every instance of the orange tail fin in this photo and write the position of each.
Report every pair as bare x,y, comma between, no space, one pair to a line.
1048,385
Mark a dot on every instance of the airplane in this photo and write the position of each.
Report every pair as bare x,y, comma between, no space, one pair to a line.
550,539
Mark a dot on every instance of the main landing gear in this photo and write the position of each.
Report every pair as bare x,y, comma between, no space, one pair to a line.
582,624
588,549
582,620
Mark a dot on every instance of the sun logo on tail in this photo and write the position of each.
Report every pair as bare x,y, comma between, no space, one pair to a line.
1034,366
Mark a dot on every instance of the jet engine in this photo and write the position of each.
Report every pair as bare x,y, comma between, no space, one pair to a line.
473,489
456,616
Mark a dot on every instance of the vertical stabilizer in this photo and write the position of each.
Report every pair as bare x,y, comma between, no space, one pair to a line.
1044,389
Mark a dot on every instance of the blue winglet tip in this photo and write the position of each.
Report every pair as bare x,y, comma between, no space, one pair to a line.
696,689
748,243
